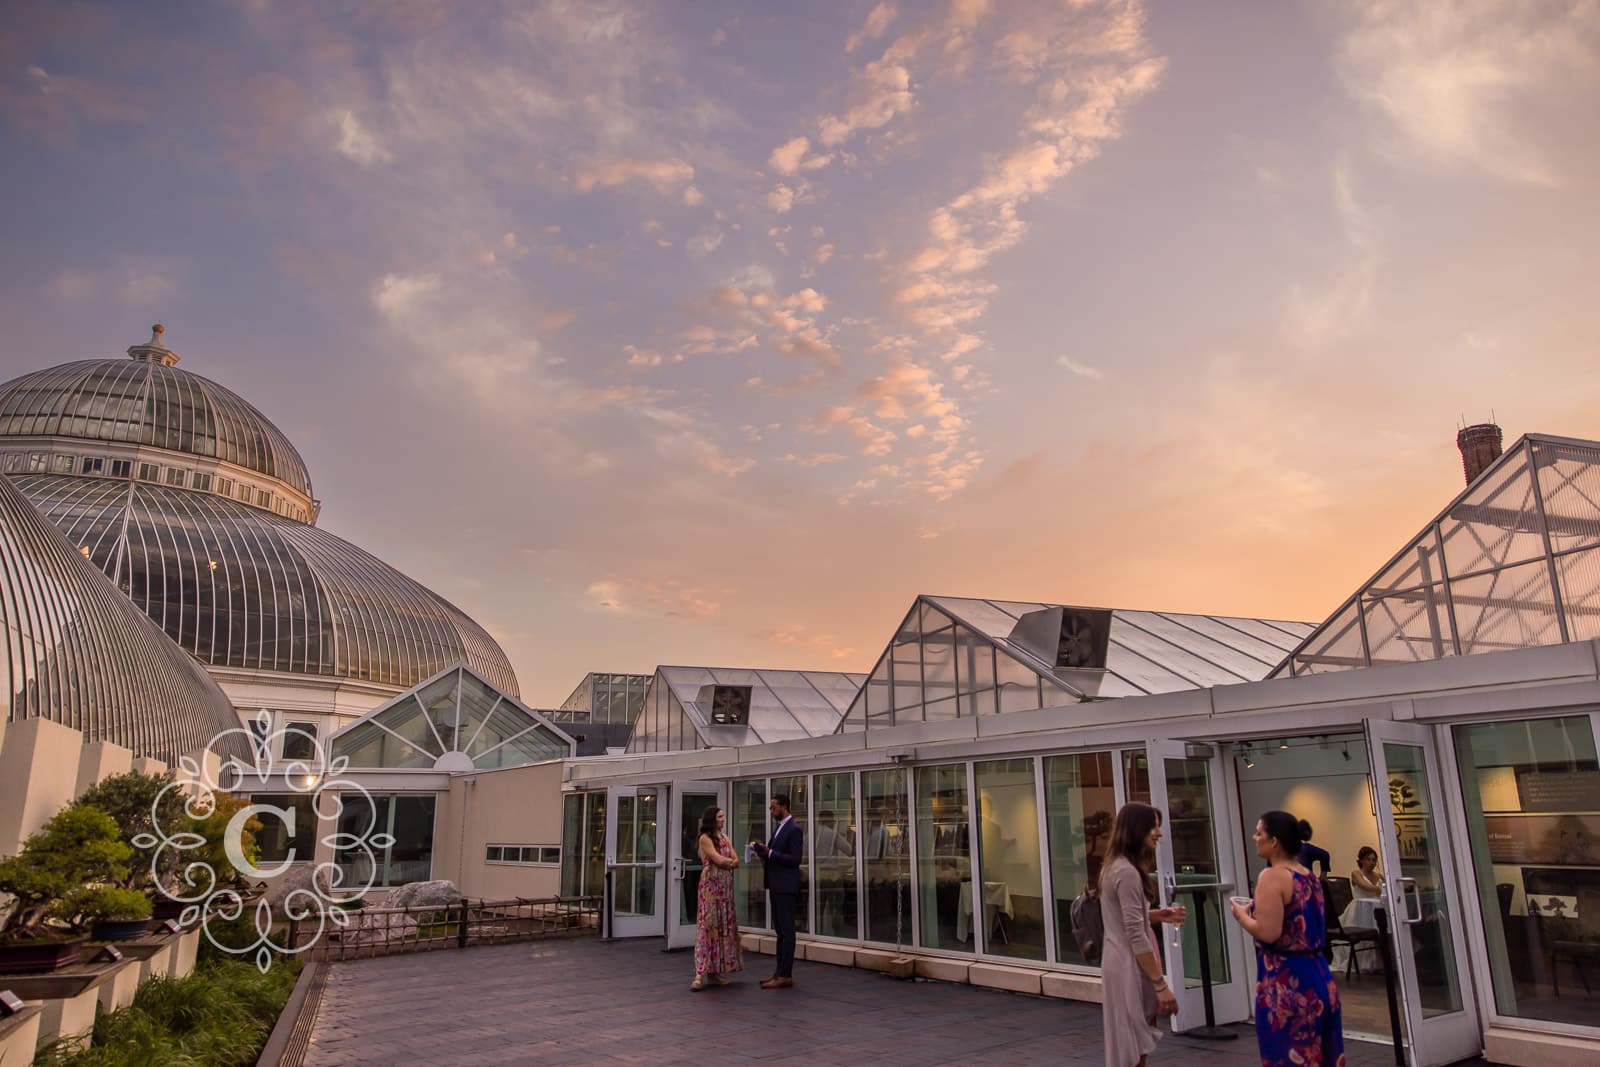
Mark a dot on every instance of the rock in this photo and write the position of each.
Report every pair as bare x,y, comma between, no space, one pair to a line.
299,877
436,894
377,929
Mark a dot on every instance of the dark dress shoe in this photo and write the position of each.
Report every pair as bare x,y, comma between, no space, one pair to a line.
777,983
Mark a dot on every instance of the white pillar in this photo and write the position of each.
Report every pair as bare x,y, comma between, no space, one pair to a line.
38,775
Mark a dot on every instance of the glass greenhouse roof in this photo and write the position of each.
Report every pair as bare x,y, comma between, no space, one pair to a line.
955,657
717,707
455,721
1513,561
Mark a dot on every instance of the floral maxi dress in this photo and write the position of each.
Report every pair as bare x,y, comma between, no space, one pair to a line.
1297,1002
716,935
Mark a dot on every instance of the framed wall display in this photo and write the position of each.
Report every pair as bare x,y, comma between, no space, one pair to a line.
1405,795
1543,840
1411,833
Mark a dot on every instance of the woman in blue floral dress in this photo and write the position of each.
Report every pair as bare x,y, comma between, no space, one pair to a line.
1297,1002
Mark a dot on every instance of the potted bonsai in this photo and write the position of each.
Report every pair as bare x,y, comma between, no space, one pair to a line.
130,799
109,912
79,846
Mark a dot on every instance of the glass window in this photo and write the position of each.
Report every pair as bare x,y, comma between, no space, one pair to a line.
94,464
149,472
944,856
550,855
121,468
594,868
1136,775
224,486
14,462
1018,685
63,464
1531,790
408,818
748,822
1080,805
492,853
572,844
201,482
243,493
37,462
906,663
835,850
300,740
1008,850
275,839
887,854
264,498
176,475
796,789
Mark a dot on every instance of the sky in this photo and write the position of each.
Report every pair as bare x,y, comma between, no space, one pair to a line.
683,332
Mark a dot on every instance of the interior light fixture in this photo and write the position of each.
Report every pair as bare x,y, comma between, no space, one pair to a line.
1283,744
1347,750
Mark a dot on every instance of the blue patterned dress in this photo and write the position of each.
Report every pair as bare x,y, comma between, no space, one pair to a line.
1297,1002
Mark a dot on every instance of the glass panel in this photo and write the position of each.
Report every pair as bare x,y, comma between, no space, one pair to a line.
406,719
549,854
1531,791
1008,843
1569,480
1136,775
441,704
492,854
1018,684
1079,804
274,838
939,672
796,789
887,856
1431,939
835,853
1408,627
594,868
1580,593
1191,828
1417,566
1336,647
572,850
748,822
1497,523
636,845
411,856
300,741
907,656
1508,608
477,700
944,856
369,745
691,806
361,817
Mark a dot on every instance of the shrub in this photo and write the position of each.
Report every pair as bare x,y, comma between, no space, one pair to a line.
129,798
219,1016
99,903
78,847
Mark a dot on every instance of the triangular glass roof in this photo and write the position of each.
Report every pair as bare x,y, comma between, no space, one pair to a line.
955,657
454,721
722,707
1513,561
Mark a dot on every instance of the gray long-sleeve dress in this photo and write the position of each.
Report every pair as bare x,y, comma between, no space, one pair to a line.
1129,1006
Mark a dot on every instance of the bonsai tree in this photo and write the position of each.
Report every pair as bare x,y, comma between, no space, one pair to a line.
78,847
129,799
102,903
214,828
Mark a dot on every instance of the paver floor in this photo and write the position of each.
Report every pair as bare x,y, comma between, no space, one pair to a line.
627,1002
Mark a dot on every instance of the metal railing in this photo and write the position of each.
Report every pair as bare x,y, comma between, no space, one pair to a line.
420,928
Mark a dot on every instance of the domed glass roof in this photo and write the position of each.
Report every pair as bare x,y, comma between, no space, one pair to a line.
241,587
75,651
148,401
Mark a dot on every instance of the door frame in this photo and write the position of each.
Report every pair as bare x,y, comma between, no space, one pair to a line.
1458,1035
681,934
628,925
1231,1001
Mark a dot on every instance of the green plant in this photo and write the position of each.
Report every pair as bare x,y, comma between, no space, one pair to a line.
79,846
129,799
219,1016
103,903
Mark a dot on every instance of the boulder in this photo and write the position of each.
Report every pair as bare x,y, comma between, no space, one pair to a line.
378,928
436,894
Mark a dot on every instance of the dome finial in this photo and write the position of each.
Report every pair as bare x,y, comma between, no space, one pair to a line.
153,351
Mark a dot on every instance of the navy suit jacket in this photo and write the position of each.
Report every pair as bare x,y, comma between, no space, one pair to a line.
786,852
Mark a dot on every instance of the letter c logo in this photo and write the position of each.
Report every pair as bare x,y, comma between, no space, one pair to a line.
233,840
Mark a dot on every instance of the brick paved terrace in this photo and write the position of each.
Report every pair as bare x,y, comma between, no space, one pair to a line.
627,1002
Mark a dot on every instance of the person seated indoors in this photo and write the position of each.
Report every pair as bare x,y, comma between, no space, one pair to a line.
1366,881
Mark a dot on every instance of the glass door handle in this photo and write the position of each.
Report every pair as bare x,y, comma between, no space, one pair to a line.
1408,887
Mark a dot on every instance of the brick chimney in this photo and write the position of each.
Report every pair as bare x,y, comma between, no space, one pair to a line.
1480,446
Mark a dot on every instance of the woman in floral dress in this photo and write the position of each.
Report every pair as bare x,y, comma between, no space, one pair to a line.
716,935
1297,1002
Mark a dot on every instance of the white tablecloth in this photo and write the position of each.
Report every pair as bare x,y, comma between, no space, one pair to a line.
996,902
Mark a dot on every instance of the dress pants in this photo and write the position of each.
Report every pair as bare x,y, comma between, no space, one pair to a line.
783,909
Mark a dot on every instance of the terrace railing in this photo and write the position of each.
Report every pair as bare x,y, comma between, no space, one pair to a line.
377,931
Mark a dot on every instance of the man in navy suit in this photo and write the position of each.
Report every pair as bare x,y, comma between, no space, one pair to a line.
783,855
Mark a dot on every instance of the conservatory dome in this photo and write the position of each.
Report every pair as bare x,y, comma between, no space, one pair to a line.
199,509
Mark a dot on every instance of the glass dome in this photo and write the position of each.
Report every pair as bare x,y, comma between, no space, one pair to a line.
241,587
75,651
148,401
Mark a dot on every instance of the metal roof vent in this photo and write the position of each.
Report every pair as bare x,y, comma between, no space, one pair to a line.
1066,638
729,705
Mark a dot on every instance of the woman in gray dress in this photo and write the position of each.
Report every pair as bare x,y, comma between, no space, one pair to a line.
1134,989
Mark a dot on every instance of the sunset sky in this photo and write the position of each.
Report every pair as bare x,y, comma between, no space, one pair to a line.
687,332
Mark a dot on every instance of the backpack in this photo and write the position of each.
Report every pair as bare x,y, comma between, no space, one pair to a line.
1088,926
